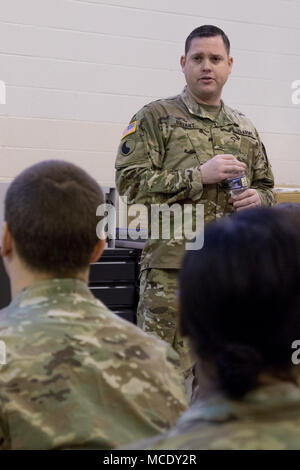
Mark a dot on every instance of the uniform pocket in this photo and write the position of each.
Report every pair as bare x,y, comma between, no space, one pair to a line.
201,142
180,153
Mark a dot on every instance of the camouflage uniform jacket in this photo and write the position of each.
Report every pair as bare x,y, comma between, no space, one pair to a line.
267,418
160,154
78,376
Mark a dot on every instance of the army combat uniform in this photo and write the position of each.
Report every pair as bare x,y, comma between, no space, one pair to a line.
267,418
158,163
79,377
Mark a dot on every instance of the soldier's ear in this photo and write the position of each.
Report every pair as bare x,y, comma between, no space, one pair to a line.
182,62
98,250
6,241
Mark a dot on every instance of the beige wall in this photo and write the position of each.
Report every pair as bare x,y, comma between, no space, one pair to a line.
77,70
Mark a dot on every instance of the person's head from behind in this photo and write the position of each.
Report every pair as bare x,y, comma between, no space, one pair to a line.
50,222
240,299
292,208
206,63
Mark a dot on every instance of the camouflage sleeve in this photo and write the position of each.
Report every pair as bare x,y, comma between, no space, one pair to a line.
139,166
263,179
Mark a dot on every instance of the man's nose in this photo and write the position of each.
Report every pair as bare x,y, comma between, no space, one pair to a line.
206,65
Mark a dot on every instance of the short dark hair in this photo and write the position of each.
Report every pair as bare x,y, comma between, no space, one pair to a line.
240,297
207,31
293,208
50,210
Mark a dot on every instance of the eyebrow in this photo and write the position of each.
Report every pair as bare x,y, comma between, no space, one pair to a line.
199,54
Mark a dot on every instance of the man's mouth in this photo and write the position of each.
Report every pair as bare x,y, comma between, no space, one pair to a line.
206,79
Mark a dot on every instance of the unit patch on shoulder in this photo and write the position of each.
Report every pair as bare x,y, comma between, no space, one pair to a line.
129,129
128,147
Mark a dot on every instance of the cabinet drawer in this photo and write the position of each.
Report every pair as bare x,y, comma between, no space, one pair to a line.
113,271
115,295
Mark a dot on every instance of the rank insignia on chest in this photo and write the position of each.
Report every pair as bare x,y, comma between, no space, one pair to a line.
129,129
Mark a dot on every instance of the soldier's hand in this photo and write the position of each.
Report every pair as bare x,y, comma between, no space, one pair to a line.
248,199
221,167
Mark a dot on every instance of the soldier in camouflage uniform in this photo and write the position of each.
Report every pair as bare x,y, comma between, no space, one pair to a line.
266,419
76,375
180,150
240,310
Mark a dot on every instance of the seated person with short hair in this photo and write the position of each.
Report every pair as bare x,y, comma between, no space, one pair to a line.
293,208
76,375
240,309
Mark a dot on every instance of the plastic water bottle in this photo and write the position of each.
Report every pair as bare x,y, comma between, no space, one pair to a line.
237,185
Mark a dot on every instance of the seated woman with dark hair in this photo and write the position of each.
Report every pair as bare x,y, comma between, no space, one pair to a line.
240,309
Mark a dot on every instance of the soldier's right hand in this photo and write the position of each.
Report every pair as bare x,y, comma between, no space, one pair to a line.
221,167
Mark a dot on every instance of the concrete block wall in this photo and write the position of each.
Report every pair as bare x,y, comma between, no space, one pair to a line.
77,70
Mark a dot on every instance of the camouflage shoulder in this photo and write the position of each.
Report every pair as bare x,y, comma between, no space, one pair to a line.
159,356
160,107
148,371
153,346
240,118
4,316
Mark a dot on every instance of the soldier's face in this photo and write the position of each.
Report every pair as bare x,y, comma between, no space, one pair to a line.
206,68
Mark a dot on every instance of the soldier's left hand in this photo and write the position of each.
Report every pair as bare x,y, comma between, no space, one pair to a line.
246,200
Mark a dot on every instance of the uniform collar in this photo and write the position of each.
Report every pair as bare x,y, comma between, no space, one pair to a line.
225,116
264,400
51,287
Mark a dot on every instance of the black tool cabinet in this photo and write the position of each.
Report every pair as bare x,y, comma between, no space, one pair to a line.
114,280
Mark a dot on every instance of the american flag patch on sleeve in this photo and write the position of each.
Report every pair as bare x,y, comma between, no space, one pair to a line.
129,129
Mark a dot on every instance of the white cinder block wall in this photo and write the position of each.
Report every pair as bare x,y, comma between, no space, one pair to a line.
77,70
